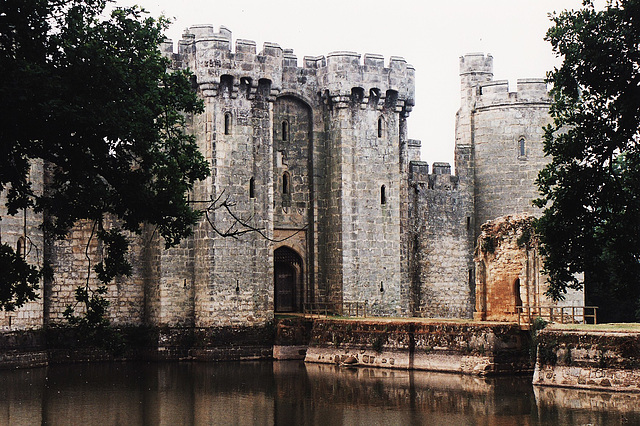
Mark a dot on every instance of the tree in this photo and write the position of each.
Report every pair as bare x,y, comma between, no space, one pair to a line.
591,187
93,98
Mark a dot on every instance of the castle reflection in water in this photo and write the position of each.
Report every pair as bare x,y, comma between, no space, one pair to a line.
291,393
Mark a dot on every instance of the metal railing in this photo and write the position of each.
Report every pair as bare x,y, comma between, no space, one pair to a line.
557,314
346,309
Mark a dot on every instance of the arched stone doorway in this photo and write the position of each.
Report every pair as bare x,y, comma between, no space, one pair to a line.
287,280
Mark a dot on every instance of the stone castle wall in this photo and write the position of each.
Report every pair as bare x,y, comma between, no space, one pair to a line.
440,268
315,156
22,233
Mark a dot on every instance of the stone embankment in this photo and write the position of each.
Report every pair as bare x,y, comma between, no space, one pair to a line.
447,346
589,359
581,358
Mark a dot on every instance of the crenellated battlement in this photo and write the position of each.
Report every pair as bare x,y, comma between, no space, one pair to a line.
343,78
440,178
479,90
497,93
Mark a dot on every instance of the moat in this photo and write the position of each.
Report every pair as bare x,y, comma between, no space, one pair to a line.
191,393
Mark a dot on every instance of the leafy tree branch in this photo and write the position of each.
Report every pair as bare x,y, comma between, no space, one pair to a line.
590,190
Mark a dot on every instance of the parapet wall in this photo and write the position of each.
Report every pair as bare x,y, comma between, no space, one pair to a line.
441,177
342,77
497,93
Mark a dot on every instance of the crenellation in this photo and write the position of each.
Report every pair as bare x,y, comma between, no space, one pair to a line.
245,46
374,60
442,168
200,31
497,93
314,62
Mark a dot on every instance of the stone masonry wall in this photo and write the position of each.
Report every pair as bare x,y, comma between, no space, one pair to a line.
505,276
504,129
509,272
466,348
371,224
238,142
508,152
73,260
597,360
440,267
336,127
22,233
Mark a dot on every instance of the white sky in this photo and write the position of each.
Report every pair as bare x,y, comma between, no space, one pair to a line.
429,35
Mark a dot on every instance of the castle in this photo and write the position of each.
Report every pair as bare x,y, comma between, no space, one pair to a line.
316,156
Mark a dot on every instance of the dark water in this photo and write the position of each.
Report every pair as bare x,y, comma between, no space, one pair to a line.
291,393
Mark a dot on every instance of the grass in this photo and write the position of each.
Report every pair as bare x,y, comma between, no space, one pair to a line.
392,319
630,327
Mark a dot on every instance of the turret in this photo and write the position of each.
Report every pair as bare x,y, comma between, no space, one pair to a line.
475,68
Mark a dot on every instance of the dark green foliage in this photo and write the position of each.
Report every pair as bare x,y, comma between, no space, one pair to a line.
489,244
92,97
527,237
115,263
93,325
537,325
591,188
19,279
548,352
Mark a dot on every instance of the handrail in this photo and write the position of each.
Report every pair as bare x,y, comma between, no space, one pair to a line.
557,314
346,309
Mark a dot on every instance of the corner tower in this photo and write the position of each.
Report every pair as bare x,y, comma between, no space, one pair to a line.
499,139
365,107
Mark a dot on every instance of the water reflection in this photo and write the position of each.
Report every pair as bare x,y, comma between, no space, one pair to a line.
290,393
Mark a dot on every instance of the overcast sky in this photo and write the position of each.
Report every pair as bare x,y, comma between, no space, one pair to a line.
429,35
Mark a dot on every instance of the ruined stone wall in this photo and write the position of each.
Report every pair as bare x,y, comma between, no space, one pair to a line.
509,273
440,260
505,275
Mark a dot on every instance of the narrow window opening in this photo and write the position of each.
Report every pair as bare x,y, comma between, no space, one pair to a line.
227,123
286,189
516,291
20,247
285,130
522,151
383,195
252,188
468,223
245,86
380,124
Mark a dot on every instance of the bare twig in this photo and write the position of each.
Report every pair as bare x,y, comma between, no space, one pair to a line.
239,225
